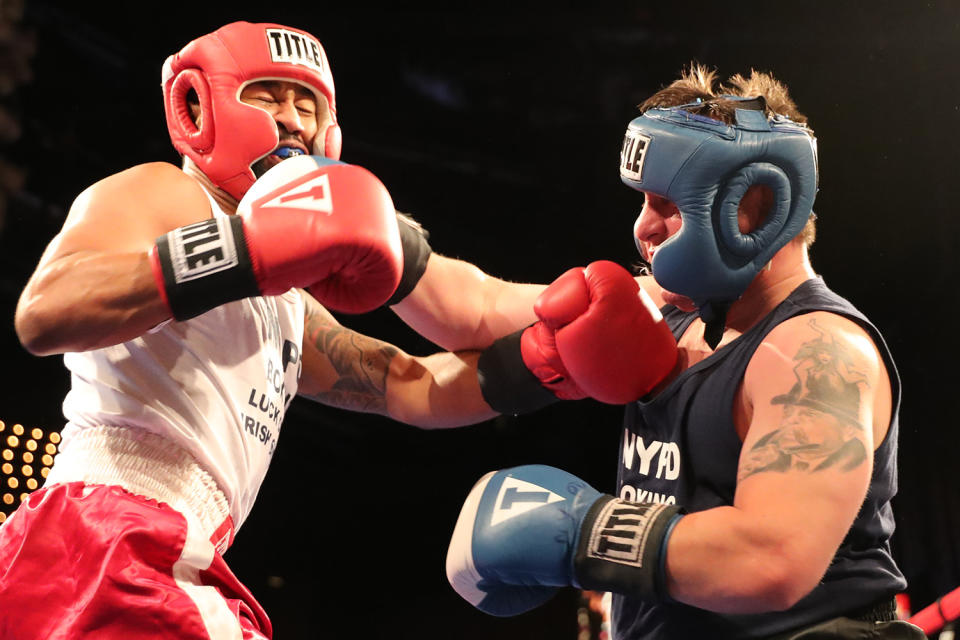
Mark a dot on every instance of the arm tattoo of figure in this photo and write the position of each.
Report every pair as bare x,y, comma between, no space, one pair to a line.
361,362
820,428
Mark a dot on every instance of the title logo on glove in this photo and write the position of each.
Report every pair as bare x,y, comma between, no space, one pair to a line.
311,193
517,497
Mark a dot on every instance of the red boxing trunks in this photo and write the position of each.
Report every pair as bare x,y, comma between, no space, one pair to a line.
79,560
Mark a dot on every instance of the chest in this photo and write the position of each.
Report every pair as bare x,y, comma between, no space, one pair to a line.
693,350
682,444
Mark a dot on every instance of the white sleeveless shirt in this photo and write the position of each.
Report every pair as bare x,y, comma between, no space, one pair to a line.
216,386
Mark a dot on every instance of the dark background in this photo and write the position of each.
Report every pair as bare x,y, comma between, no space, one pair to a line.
499,128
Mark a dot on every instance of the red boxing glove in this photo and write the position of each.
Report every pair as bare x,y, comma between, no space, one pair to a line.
538,348
599,335
327,226
612,341
307,222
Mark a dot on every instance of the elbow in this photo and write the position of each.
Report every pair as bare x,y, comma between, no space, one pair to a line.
781,583
414,416
783,595
37,328
426,416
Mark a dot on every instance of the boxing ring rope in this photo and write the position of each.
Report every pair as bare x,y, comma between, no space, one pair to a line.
933,617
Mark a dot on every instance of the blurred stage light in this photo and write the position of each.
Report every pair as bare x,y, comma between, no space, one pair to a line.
21,466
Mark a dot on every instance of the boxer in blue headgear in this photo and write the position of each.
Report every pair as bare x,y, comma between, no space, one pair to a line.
754,480
705,167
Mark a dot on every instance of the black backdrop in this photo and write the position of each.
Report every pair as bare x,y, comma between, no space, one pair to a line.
499,128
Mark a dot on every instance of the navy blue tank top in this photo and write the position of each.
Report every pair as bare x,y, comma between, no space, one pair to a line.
681,447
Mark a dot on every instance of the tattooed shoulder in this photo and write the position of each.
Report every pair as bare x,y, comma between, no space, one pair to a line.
820,425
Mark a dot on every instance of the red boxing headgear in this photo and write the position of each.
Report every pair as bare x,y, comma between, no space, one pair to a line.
233,135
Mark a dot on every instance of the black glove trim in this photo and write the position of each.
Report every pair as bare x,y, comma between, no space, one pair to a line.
204,265
416,253
506,383
622,547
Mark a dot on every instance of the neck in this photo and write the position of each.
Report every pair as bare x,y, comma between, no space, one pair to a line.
789,268
227,202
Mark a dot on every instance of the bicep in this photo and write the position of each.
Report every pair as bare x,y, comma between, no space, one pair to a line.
127,211
807,456
93,285
114,222
458,306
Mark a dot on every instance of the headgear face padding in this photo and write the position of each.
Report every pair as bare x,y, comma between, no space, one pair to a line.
233,135
705,166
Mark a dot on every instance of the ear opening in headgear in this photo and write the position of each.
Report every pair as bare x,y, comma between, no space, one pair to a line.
753,244
199,137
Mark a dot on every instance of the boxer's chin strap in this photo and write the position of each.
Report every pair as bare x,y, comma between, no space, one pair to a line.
714,316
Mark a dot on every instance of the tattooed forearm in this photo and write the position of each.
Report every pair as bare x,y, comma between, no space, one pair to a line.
361,363
820,426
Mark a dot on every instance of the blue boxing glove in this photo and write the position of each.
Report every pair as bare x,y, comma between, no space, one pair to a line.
525,532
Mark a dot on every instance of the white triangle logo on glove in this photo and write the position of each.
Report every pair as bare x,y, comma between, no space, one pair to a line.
517,497
313,194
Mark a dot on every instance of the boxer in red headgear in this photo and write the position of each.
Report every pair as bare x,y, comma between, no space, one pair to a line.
216,69
189,306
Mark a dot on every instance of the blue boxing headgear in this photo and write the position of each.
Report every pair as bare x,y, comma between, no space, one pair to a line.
705,166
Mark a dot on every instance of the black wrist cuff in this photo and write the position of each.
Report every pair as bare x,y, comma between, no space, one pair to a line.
204,265
622,545
506,383
416,252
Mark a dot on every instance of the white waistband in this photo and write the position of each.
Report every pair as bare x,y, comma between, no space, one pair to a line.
145,464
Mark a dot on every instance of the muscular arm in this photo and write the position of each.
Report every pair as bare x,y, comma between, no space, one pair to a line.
345,369
93,286
458,306
803,472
